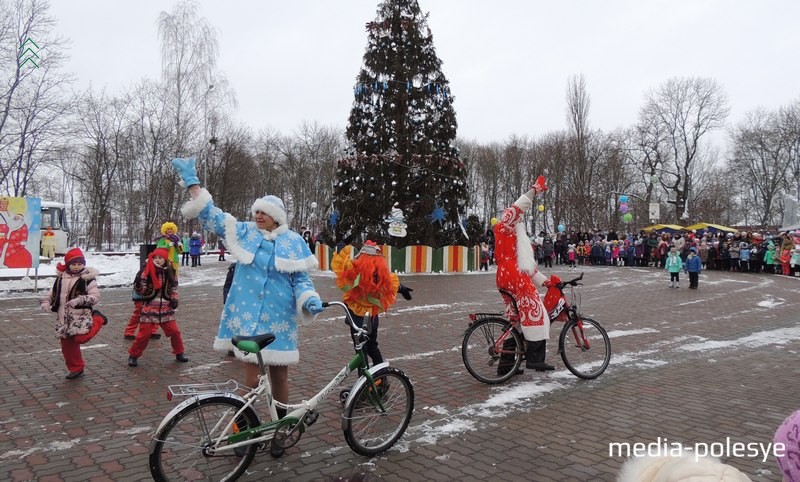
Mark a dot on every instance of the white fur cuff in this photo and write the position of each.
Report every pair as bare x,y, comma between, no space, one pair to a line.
192,208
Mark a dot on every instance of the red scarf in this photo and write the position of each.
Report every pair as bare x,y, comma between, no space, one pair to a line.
152,271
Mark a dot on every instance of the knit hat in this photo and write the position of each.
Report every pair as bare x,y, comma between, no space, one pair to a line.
74,255
271,205
789,435
693,249
150,267
163,252
370,248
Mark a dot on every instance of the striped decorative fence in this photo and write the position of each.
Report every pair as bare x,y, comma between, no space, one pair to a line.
324,255
418,259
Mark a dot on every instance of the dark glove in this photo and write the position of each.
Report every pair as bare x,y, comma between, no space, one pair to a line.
173,304
405,291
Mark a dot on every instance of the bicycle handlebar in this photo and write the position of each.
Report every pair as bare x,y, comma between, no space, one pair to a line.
359,330
572,282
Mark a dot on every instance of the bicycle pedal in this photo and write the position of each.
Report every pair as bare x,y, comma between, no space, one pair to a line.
343,396
310,417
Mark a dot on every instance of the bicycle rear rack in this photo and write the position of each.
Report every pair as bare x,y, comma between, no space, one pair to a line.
189,390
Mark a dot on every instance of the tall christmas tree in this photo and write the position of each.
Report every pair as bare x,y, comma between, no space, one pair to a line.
401,133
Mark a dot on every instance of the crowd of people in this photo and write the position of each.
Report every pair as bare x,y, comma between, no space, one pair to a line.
750,252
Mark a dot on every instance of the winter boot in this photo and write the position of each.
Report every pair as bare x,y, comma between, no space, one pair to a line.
535,352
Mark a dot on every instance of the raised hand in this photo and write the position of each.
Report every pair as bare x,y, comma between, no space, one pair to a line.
186,169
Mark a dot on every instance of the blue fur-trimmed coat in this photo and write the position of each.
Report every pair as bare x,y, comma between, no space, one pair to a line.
270,284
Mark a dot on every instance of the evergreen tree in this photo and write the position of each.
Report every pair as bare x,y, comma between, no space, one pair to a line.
401,134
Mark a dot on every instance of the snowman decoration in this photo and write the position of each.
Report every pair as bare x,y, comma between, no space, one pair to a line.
397,223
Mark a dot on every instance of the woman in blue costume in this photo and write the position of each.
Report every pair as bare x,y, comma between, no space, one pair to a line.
271,288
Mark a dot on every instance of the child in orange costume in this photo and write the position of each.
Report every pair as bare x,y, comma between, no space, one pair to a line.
369,288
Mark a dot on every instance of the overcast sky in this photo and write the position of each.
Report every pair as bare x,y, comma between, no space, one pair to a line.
507,61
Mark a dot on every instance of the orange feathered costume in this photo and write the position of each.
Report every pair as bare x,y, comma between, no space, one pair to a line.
368,285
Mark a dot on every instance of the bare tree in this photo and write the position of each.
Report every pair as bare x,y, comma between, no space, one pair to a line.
107,147
585,151
789,125
35,103
146,183
684,110
762,154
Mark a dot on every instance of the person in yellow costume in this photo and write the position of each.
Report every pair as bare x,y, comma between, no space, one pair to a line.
369,289
49,243
171,242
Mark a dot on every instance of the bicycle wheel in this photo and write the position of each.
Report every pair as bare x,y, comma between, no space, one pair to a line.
183,448
482,359
369,430
585,348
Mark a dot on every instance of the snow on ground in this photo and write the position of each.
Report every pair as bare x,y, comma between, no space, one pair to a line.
114,271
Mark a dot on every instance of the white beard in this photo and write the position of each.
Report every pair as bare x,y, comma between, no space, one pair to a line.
525,259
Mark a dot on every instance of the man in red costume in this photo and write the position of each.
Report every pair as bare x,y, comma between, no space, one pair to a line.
517,272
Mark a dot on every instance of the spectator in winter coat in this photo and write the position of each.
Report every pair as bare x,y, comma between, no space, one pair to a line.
679,242
693,267
185,243
195,247
547,251
673,265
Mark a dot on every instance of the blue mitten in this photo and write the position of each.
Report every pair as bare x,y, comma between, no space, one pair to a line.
186,170
314,306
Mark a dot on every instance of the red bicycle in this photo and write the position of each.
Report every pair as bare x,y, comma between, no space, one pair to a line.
494,348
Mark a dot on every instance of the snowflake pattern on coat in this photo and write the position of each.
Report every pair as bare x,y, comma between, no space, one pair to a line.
270,284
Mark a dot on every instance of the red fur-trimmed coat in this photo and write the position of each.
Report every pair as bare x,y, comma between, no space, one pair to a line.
517,270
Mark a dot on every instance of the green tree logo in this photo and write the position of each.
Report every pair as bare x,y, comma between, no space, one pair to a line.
28,53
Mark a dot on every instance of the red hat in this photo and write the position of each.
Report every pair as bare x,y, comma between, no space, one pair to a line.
163,252
74,255
150,267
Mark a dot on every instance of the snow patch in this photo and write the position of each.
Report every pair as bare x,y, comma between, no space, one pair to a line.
134,430
640,331
780,336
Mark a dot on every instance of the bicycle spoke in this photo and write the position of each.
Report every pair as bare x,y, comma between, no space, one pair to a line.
369,430
586,348
491,350
185,448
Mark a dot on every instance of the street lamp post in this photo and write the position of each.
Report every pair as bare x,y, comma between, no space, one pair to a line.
213,143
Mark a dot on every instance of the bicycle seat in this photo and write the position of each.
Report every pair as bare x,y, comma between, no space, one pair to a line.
509,300
261,340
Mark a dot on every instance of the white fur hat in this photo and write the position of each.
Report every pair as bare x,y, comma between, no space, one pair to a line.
271,205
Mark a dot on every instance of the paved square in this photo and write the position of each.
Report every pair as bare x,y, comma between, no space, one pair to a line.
694,366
